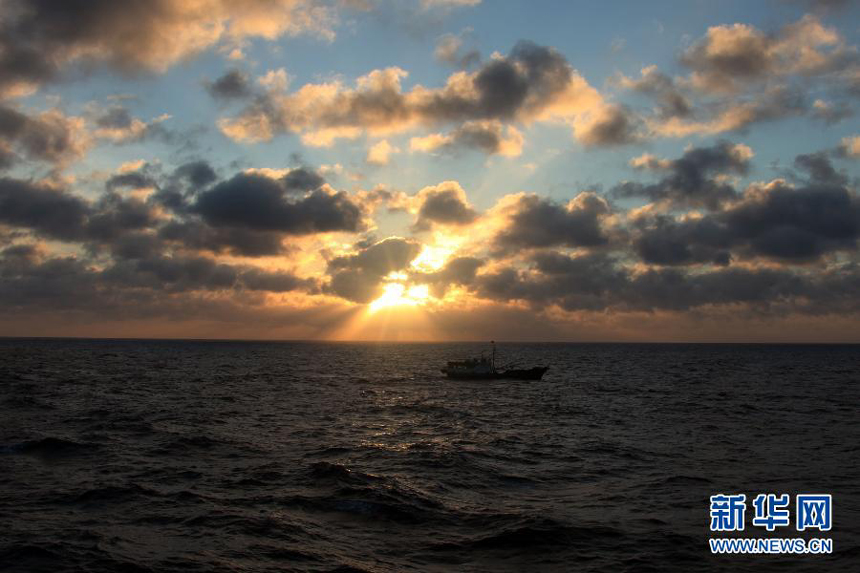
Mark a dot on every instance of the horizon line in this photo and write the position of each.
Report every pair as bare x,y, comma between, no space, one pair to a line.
460,341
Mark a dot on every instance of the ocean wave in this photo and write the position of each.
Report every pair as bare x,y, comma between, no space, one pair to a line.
535,534
49,447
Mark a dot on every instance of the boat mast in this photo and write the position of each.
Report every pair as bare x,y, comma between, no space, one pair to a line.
493,364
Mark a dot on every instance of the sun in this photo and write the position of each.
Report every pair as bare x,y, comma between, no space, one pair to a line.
396,294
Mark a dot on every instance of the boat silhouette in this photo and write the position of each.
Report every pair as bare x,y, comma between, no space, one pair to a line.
484,368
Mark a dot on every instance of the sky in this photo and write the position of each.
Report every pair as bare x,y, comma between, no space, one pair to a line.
431,170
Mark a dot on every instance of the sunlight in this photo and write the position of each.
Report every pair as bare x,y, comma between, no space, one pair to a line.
396,294
432,258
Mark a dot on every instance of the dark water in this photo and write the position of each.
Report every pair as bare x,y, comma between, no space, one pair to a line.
205,456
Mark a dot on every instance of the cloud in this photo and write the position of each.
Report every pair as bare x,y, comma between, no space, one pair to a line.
39,40
611,125
443,204
536,222
777,249
114,215
193,273
693,179
735,114
650,162
532,83
730,56
380,153
117,125
449,50
820,169
456,271
850,146
597,283
49,211
490,136
233,84
672,102
831,113
666,241
302,180
138,179
803,223
584,282
773,221
48,136
261,203
197,236
826,6
740,76
358,277
198,173
247,215
448,3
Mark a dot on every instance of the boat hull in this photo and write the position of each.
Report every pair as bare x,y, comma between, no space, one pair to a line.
535,373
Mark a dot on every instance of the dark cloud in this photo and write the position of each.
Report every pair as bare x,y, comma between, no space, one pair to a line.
248,215
668,242
672,102
134,244
477,136
537,222
115,117
359,277
457,271
198,173
41,39
802,223
729,52
302,179
275,281
234,84
8,158
31,284
820,169
196,235
114,215
670,289
57,214
528,78
730,57
599,283
779,222
47,211
116,124
490,137
614,125
131,180
49,136
185,181
194,273
261,203
381,258
586,282
444,204
691,180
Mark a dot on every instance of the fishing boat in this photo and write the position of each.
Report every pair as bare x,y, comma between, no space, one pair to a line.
484,368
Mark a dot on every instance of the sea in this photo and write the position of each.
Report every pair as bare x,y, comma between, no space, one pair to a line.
163,455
